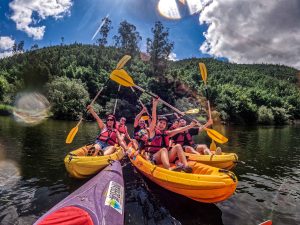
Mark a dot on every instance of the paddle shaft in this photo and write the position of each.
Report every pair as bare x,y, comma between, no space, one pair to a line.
139,100
165,103
115,107
97,95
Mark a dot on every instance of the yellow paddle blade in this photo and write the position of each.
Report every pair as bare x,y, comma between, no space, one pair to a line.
203,72
192,111
123,61
216,136
145,118
71,135
122,78
213,146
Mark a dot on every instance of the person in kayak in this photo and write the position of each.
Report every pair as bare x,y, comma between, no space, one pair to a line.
109,135
122,128
159,142
185,139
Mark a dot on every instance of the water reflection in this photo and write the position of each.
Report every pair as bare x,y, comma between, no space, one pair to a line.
269,181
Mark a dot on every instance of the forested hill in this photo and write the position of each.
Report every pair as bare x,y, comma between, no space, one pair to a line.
71,75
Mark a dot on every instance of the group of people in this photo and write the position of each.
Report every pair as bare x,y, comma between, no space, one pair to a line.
152,138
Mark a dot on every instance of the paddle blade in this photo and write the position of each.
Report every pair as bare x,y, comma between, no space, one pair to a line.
213,146
203,72
71,135
123,61
192,111
122,78
216,136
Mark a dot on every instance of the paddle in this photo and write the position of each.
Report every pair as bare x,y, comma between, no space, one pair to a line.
268,222
74,130
123,78
116,102
139,100
190,111
120,65
203,72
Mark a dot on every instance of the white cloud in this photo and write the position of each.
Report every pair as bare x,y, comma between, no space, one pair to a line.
253,31
6,44
173,57
23,11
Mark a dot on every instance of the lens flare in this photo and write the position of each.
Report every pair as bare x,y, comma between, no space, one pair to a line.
31,108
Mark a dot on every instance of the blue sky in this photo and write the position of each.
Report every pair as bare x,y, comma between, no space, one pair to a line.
240,31
85,16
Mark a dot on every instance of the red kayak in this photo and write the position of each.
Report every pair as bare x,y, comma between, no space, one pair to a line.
99,201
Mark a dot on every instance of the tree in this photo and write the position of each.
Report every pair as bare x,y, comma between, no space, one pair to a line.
34,47
128,38
159,48
20,47
104,30
68,97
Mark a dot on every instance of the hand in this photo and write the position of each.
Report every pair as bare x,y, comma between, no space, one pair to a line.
209,123
155,101
144,109
89,107
193,123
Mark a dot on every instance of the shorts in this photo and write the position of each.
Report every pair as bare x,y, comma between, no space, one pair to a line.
152,157
102,144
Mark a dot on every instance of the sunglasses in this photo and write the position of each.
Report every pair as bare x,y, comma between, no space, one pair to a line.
123,120
110,119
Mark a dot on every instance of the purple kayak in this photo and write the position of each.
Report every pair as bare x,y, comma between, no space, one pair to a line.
99,201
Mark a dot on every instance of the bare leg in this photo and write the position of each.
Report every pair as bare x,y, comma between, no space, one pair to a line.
203,149
109,150
189,149
178,151
162,157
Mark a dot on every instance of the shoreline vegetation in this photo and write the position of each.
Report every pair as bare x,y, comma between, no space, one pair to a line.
71,75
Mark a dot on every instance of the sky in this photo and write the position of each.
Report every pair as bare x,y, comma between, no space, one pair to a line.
239,31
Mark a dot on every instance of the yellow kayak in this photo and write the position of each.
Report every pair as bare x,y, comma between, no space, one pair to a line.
205,184
224,161
81,166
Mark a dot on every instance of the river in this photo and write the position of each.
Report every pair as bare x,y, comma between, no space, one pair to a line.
33,177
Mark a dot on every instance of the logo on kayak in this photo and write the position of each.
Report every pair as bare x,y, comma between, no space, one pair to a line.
115,196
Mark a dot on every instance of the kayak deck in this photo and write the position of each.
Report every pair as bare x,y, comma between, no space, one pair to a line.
81,166
205,184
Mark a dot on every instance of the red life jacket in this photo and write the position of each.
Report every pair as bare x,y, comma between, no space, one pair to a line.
121,128
183,138
160,140
108,136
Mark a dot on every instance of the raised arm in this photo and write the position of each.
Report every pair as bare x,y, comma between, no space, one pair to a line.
97,118
153,121
208,124
138,117
171,133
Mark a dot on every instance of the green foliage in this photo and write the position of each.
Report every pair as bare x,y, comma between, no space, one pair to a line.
4,87
71,75
104,30
265,115
128,38
68,97
159,48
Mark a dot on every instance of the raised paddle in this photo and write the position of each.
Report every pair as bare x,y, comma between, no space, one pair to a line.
124,79
74,130
119,66
203,72
190,111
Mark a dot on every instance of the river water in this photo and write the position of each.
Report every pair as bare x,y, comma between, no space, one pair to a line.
33,177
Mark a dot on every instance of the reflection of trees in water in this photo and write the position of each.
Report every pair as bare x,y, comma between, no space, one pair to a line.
148,203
